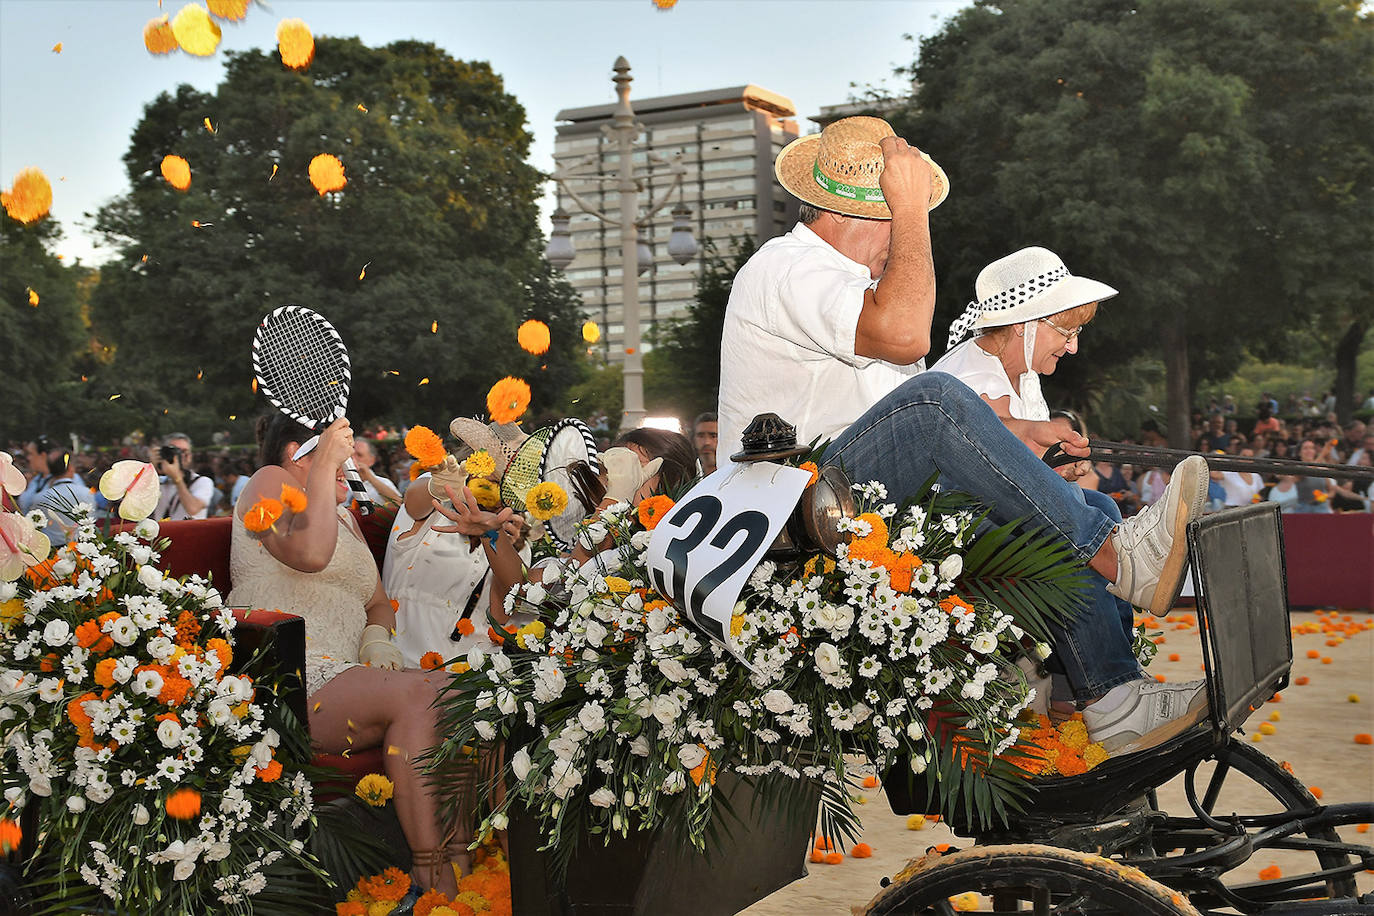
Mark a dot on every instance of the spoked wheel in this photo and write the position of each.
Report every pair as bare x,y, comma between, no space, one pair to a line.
1025,878
1244,780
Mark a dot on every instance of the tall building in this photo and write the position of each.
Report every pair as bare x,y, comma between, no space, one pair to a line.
728,139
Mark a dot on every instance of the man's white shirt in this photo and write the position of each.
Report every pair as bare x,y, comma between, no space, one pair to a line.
169,503
788,342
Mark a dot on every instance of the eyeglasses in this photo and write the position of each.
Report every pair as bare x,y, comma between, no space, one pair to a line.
1068,334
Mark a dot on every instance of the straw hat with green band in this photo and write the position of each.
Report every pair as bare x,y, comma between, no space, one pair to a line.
838,169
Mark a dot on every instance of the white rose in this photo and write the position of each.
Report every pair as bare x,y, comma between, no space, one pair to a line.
57,633
675,783
499,821
844,617
485,699
972,690
500,663
520,764
673,670
64,567
602,798
124,669
595,633
476,658
7,591
141,554
983,643
914,730
827,658
150,577
185,868
951,566
123,631
534,593
169,732
592,718
777,701
640,746
666,709
691,756
629,798
485,730
76,804
140,815
41,786
1042,651
217,851
147,529
564,778
506,702
918,764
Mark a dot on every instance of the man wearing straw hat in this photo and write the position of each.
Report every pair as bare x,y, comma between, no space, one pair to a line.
828,327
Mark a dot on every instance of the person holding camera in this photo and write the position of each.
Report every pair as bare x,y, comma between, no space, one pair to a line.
185,494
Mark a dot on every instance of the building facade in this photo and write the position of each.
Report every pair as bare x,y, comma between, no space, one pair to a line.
727,140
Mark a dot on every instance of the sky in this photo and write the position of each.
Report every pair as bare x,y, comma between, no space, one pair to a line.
72,113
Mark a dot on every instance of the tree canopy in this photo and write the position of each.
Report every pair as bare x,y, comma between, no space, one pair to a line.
1209,158
426,261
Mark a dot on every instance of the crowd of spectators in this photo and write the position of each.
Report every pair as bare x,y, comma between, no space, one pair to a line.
206,481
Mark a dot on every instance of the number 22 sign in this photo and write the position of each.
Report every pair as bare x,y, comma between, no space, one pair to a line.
703,550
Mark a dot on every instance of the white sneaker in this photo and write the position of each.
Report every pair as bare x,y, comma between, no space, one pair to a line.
1152,547
1152,714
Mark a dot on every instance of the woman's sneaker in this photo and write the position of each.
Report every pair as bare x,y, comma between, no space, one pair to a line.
1152,547
1153,713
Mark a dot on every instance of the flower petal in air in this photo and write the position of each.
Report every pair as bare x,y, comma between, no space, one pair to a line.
295,44
327,173
233,10
533,337
177,171
158,36
591,332
30,198
195,31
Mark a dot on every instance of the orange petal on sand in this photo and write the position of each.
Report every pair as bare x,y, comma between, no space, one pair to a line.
1364,738
834,858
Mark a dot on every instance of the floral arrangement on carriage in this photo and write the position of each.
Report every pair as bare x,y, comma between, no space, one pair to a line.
617,710
145,775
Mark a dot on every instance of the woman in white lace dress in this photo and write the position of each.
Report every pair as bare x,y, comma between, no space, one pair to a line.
317,565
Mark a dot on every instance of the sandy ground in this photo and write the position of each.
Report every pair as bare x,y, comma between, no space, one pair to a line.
1313,730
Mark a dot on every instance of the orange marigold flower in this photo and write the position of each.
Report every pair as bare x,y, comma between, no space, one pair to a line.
814,471
327,173
228,9
295,44
271,772
78,715
183,804
88,634
175,688
177,171
222,650
10,835
425,446
195,31
652,510
188,628
465,627
391,884
508,400
431,661
428,901
263,514
350,908
533,337
878,536
104,672
293,498
30,197
948,605
158,37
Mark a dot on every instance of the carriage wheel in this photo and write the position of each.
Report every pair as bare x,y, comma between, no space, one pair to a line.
1225,792
1025,878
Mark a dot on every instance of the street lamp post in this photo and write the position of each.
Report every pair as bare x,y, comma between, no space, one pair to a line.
682,247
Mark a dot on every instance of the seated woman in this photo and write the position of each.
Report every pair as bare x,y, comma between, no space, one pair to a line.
316,565
440,580
1028,315
1306,494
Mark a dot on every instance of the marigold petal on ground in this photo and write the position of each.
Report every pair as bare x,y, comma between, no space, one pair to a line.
195,31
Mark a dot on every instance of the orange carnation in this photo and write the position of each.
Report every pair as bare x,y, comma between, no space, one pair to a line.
177,171
295,44
10,835
104,672
263,514
327,173
271,772
431,661
425,446
533,337
465,627
508,400
652,510
30,198
183,804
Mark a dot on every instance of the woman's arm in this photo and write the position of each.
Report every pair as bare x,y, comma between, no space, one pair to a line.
303,542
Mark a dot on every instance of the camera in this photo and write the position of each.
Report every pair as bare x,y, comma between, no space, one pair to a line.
170,454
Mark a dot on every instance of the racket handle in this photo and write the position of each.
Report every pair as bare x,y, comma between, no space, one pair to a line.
355,483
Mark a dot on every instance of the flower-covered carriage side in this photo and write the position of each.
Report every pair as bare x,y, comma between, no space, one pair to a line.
145,772
618,714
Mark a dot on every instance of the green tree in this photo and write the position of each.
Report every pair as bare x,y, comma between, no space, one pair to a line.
682,372
1146,142
426,261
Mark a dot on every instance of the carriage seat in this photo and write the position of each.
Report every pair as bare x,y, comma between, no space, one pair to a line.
202,546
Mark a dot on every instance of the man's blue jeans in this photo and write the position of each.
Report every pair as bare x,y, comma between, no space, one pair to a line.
934,422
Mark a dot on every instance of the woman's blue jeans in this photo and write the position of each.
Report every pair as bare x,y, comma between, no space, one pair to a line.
934,422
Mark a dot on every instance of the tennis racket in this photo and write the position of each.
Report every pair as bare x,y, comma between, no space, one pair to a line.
302,367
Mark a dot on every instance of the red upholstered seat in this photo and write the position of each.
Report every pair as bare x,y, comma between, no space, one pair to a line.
202,546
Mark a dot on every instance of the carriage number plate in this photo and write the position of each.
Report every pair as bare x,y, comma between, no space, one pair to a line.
702,551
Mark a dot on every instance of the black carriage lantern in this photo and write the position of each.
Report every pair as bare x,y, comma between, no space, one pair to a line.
815,523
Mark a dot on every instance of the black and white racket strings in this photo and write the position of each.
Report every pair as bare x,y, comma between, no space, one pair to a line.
302,367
